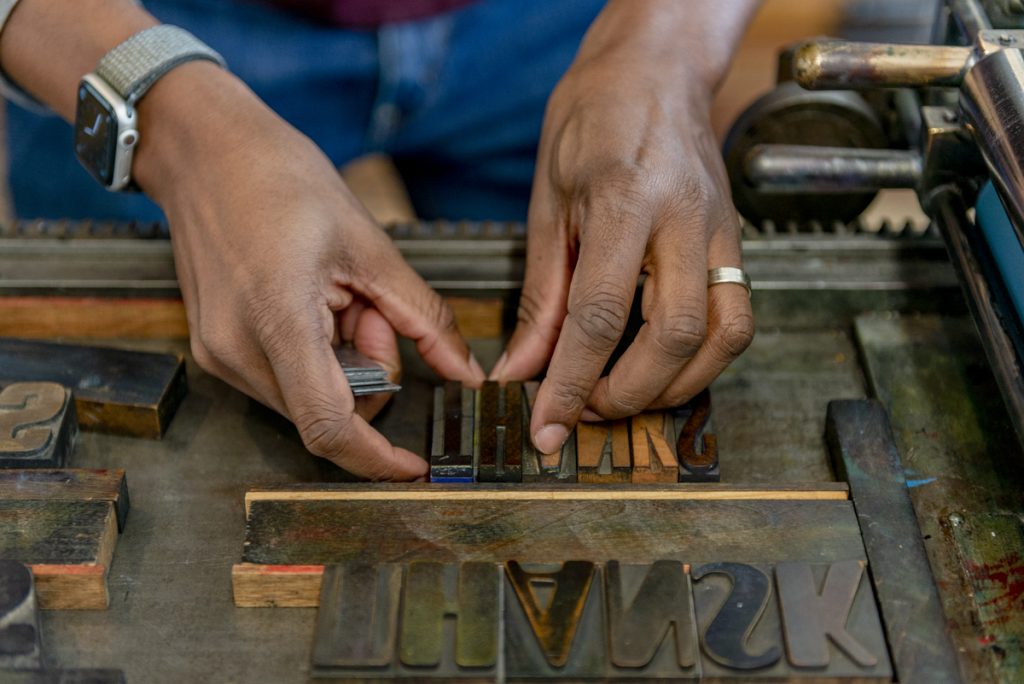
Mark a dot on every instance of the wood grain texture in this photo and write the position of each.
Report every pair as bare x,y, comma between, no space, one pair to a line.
311,532
603,452
116,390
68,545
654,459
67,484
280,586
95,317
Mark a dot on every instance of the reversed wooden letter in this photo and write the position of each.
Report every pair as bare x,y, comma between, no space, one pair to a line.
654,460
358,617
725,639
555,625
37,425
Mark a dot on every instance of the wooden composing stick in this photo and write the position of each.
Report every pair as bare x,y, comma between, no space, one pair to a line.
603,452
20,643
38,425
500,427
585,620
654,459
451,453
538,467
291,532
696,447
64,526
118,391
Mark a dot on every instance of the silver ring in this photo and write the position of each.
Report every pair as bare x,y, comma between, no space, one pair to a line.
728,274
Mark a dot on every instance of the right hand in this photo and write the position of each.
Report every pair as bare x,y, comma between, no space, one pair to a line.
277,260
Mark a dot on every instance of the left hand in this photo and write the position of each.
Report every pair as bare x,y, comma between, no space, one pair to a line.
629,181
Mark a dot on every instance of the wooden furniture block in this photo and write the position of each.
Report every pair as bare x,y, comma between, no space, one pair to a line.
579,620
68,484
603,452
654,459
118,391
38,425
292,532
20,642
63,524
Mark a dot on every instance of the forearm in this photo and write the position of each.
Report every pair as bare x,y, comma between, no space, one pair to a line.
692,39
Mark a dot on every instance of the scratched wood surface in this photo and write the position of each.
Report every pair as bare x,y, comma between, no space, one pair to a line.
67,484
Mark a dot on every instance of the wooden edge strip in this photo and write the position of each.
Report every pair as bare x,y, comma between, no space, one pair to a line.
71,587
281,586
837,491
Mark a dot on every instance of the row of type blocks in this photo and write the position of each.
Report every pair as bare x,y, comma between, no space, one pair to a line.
484,436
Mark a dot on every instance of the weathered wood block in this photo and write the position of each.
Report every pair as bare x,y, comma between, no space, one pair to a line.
38,425
500,432
68,484
696,446
538,467
603,452
451,452
791,621
67,544
118,391
20,643
654,459
64,677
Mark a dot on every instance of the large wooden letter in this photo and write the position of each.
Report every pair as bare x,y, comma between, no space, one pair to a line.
501,433
358,616
554,625
725,638
37,425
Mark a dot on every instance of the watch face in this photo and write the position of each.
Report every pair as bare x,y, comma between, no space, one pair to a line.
95,133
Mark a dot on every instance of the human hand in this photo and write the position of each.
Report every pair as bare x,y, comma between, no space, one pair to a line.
629,181
277,261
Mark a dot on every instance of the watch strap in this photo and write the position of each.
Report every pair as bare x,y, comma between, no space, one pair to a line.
135,65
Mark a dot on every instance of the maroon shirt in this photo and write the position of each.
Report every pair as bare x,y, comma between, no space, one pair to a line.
369,13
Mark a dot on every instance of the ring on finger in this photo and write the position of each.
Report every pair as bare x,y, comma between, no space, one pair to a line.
729,274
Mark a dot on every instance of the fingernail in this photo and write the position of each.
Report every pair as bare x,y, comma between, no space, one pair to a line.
550,438
499,366
475,368
590,416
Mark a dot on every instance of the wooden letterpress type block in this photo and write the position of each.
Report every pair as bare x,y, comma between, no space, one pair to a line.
357,625
830,620
554,621
654,459
64,677
470,593
451,453
696,447
38,426
20,646
654,634
603,452
501,433
538,467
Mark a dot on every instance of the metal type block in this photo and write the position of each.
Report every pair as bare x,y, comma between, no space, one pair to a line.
810,618
20,644
654,460
864,453
470,593
554,621
38,425
538,467
638,632
603,452
357,623
501,433
696,448
451,452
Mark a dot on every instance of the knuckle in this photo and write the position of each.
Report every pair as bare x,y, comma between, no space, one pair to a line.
601,316
625,403
680,336
201,353
324,430
569,396
734,334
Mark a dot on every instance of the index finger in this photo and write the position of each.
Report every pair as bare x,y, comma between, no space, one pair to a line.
612,247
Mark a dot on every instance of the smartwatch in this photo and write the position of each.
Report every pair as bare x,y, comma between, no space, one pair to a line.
106,130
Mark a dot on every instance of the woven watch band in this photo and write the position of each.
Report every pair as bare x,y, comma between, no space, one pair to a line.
135,65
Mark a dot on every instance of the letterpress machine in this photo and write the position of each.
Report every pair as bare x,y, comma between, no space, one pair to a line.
845,502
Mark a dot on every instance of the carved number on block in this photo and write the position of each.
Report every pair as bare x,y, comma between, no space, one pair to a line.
24,407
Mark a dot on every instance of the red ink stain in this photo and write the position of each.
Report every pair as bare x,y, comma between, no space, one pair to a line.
999,589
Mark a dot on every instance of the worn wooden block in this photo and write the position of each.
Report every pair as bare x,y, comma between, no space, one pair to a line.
38,425
500,430
417,620
292,533
603,452
64,677
791,621
20,643
68,484
451,453
695,445
538,467
118,391
68,545
654,459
